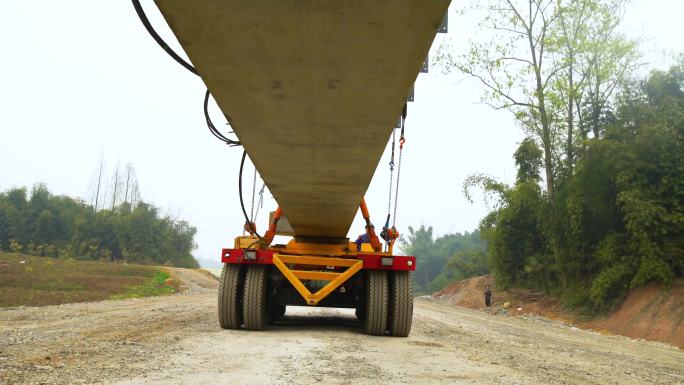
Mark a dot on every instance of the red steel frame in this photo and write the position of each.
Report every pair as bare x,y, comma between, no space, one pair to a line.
370,261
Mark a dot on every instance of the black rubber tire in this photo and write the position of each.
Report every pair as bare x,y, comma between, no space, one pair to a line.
377,293
401,303
255,314
230,296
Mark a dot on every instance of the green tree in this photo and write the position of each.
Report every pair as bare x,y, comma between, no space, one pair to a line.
434,254
4,230
514,231
557,66
44,227
594,60
515,67
619,218
50,225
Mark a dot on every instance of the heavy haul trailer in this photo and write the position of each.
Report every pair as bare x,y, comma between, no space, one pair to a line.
312,90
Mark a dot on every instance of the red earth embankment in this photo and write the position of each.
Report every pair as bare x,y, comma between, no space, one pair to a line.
647,312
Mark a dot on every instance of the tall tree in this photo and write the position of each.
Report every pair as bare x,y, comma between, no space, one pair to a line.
594,58
569,39
130,176
115,186
515,67
608,60
99,182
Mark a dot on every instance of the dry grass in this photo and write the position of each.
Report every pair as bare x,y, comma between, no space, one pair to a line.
37,281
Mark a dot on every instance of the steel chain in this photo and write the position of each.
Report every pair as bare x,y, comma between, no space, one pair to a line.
251,212
396,194
391,164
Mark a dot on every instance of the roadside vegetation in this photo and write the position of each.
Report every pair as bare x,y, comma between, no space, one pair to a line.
37,281
444,259
617,221
597,207
46,225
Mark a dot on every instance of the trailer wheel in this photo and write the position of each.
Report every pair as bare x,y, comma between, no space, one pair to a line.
401,303
375,317
230,296
255,312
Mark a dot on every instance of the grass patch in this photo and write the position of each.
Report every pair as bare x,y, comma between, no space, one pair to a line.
157,285
38,281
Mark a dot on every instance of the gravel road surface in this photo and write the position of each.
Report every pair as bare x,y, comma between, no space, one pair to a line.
176,340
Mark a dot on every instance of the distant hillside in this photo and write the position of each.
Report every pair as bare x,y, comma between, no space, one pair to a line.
647,312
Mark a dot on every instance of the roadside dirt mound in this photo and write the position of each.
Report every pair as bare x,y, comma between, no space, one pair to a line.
193,280
647,312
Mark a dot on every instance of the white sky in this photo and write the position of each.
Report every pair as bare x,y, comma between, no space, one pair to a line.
83,78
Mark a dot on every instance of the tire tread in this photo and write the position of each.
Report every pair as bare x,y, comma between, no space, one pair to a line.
377,293
230,297
401,303
254,302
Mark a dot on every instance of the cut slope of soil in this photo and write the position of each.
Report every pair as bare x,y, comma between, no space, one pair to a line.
647,312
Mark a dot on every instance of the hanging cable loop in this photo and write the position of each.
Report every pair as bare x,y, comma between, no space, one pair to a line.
212,128
148,26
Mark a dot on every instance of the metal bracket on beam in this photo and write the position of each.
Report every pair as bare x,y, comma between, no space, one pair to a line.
444,28
410,98
426,65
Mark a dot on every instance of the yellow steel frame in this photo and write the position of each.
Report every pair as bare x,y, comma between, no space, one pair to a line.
296,276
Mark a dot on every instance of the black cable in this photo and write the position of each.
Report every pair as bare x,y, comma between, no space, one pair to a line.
146,22
212,127
242,203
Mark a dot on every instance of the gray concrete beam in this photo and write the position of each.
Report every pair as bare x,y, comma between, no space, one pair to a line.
312,88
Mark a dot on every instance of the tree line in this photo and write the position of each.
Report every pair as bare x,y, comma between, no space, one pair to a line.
44,224
444,259
122,186
598,202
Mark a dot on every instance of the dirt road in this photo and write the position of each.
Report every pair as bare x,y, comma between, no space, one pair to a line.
176,340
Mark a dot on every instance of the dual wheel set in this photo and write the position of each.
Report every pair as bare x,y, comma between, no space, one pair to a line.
386,306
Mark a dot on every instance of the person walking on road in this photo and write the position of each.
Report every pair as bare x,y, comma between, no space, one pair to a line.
488,296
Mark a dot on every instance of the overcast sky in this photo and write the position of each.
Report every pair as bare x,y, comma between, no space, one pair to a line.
80,79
